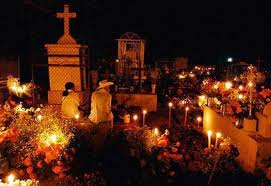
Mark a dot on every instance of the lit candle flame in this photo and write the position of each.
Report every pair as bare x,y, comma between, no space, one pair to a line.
218,135
186,109
53,138
241,87
39,117
156,131
11,178
209,133
228,85
135,117
199,119
170,104
241,96
144,111
77,116
250,84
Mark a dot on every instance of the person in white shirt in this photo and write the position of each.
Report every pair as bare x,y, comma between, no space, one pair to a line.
100,114
101,104
70,101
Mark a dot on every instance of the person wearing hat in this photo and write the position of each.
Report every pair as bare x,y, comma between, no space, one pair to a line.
100,113
70,101
101,103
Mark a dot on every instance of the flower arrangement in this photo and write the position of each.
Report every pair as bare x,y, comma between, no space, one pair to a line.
40,147
183,150
14,87
263,98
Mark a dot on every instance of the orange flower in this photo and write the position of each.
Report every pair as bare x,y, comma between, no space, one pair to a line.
28,161
21,172
238,109
51,155
39,164
57,169
38,150
13,131
1,139
47,160
265,93
29,170
33,176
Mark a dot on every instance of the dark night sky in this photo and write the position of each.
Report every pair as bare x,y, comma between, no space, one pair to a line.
205,31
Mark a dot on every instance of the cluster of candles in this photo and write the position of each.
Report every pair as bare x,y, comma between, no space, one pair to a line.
170,104
10,181
218,135
135,117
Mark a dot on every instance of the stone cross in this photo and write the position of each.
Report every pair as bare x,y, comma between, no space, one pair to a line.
66,15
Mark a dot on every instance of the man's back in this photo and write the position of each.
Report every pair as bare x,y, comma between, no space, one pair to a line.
100,106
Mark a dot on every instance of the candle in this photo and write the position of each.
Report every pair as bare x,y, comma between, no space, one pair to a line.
199,119
185,117
170,104
209,133
39,117
156,131
135,117
218,135
228,85
11,179
53,138
241,87
77,116
144,114
241,96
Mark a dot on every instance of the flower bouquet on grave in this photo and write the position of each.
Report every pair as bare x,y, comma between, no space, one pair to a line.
39,147
210,88
263,98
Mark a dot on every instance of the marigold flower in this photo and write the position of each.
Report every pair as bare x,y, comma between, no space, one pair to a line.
28,161
57,169
39,164
21,172
33,176
29,170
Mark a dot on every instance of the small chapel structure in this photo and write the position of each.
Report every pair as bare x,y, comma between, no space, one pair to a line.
67,61
131,51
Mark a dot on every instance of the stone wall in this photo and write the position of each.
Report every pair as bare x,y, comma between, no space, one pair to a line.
253,149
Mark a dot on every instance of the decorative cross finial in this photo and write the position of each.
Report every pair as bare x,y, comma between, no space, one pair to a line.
66,15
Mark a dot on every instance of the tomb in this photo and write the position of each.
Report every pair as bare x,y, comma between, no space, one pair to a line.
130,66
254,149
67,61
